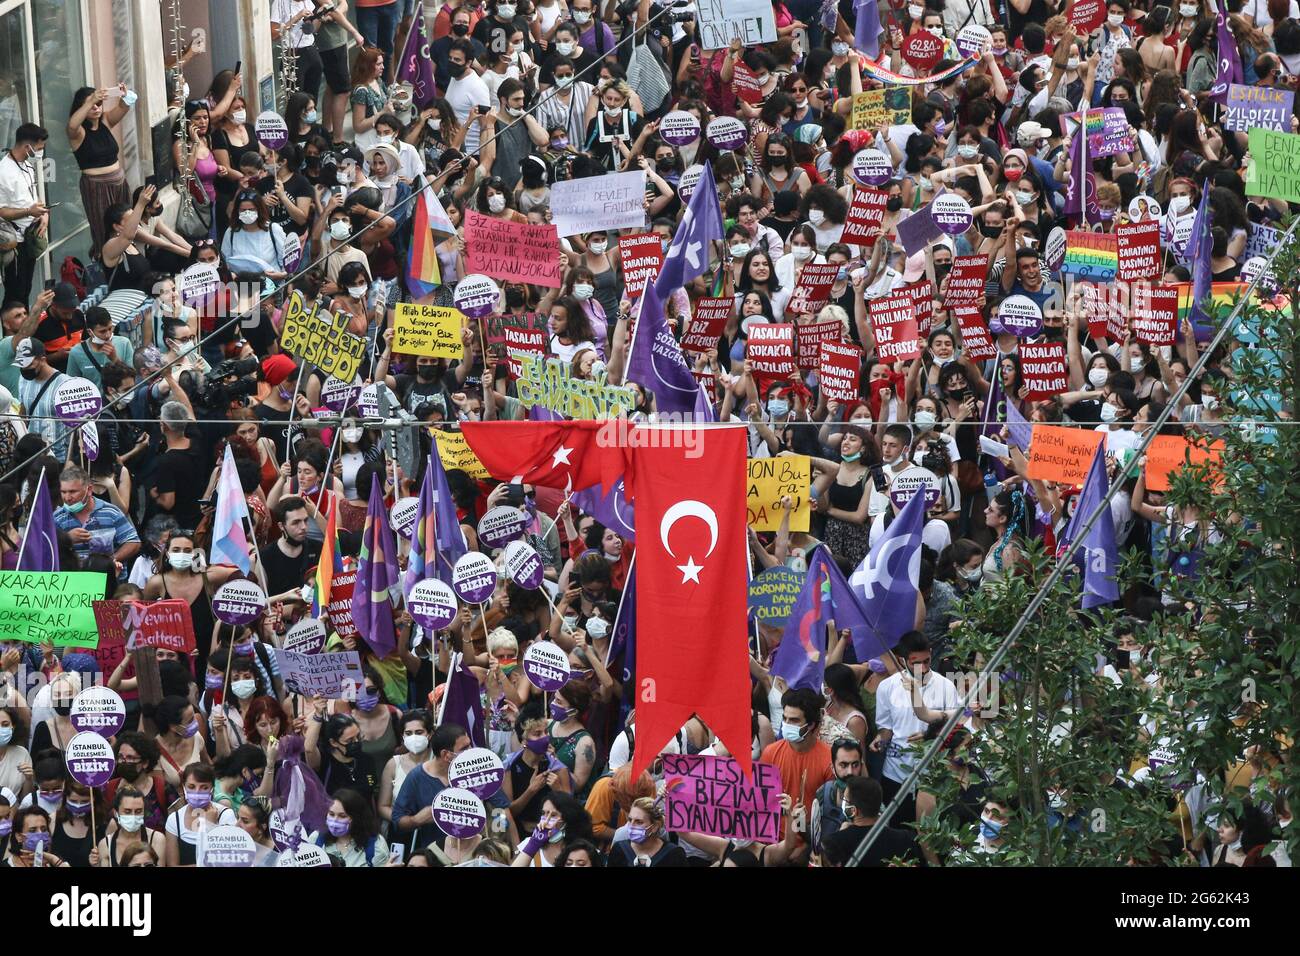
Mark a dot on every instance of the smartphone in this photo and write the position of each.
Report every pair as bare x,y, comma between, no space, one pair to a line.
482,109
53,205
878,478
238,64
49,284
515,495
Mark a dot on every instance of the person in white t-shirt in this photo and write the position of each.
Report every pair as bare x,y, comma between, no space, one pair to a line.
467,93
1257,11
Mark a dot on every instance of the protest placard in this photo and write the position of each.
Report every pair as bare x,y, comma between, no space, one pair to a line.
711,314
813,289
1153,312
839,371
866,213
520,342
339,609
428,330
769,480
745,83
1274,170
1260,240
922,50
918,230
456,453
773,594
1266,107
334,675
966,281
887,106
1043,367
976,343
550,383
1090,255
1086,15
922,293
494,325
894,327
718,22
57,606
641,255
1106,309
1138,250
770,349
611,201
1107,131
711,795
225,846
809,339
1169,454
517,251
164,623
1062,454
321,338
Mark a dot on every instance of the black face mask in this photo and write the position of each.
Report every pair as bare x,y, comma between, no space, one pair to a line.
457,70
514,299
27,373
894,203
777,161
353,749
63,710
426,373
990,232
460,29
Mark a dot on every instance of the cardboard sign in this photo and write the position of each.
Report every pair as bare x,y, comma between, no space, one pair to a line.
642,255
550,383
894,327
711,314
865,217
1093,256
718,22
611,201
770,349
769,480
1153,311
164,623
813,289
887,106
520,342
1107,132
58,606
810,338
840,371
1062,454
1138,249
322,340
1086,15
1275,165
975,339
1169,454
1265,107
923,50
1043,366
334,675
773,594
339,609
456,453
512,250
966,281
712,795
428,330
745,84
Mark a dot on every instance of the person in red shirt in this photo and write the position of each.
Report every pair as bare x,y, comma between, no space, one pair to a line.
802,759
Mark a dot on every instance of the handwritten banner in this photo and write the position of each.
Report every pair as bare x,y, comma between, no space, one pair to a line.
1266,107
1274,169
334,675
611,201
164,623
1169,454
321,339
745,83
718,22
550,383
966,280
428,330
1062,454
641,255
839,371
1107,132
712,795
520,342
769,480
888,106
456,453
512,250
57,606
1043,366
710,318
773,593
1138,250
894,327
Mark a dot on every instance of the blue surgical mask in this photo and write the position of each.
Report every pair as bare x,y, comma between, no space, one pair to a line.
312,116
791,733
851,458
990,829
778,408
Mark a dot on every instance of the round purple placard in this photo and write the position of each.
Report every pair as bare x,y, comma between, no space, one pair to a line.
474,577
973,39
501,525
238,602
198,283
726,132
1054,249
305,637
952,213
368,400
307,854
89,433
75,399
338,395
477,296
1018,315
679,128
98,709
871,167
402,516
432,604
478,770
272,131
524,565
459,813
227,846
90,759
546,665
906,483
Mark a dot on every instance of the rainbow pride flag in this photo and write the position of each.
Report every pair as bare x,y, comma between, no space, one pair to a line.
1223,296
330,563
422,273
1093,256
878,72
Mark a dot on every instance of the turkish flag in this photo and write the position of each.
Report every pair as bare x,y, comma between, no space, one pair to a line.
692,637
564,454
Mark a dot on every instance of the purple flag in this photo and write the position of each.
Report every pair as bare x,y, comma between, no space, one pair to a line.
416,67
866,31
1018,430
918,230
826,596
1200,249
462,704
1081,176
656,360
888,581
995,405
623,639
39,550
611,510
372,595
1230,70
688,254
1099,556
540,413
437,542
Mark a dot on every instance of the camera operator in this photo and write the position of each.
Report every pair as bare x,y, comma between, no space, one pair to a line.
181,471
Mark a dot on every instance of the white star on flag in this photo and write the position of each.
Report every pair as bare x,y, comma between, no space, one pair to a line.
690,570
562,455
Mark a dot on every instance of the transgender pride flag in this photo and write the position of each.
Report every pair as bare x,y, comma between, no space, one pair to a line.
422,273
229,542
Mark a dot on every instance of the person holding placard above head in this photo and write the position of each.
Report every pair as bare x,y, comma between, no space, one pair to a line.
131,831
192,814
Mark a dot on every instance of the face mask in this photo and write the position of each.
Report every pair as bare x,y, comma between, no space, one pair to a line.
816,217
244,689
435,124
1097,377
1055,801
846,808
778,407
538,746
561,143
970,574
914,11
636,833
936,31
558,711
839,49
598,246
740,250
597,628
75,507
777,161
239,116
924,420
1179,203
460,29
338,827
990,829
130,822
1136,364
1115,19
516,112
564,48
357,291
198,799
1109,412
894,203
415,743
7,826
78,809
851,458
801,253
497,202
506,10
190,729
353,749
583,290
581,16
213,681
339,230
1013,175
1188,9
1072,63
6,735
311,116
1024,199
342,178
33,840
990,232
387,139
50,798
352,435
1210,402
367,701
248,216
791,733
425,373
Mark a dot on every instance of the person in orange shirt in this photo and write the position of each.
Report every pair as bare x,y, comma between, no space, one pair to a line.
803,760
611,797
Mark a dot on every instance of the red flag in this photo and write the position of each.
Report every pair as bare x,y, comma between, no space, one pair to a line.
692,639
551,454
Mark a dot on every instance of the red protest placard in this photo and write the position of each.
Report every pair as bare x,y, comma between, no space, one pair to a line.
1086,15
840,371
813,289
745,84
705,377
923,50
894,327
1062,454
976,342
1043,367
519,341
922,293
1104,306
164,623
1153,311
339,609
770,349
711,314
494,326
642,255
966,281
809,339
512,250
866,214
1139,250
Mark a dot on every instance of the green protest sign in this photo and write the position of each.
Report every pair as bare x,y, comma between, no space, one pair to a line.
57,606
1275,165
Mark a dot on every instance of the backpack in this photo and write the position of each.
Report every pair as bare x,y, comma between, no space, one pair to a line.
72,271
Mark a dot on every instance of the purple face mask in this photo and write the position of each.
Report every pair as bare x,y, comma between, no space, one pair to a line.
558,711
538,746
636,833
77,809
32,840
191,728
338,827
199,799
212,681
367,702
245,649
6,827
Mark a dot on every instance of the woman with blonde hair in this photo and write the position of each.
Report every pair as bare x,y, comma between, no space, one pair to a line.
645,843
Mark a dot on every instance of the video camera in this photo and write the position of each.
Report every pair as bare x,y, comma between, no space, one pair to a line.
230,383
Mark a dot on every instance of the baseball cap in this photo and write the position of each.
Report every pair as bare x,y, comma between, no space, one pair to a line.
65,296
1031,131
349,154
28,351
